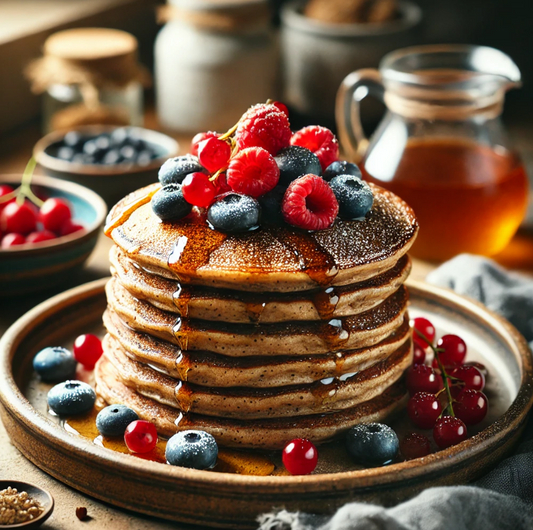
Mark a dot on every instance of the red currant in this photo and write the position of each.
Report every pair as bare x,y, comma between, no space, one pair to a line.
454,350
200,137
19,218
449,431
424,409
69,227
12,239
300,456
415,445
87,350
38,237
422,378
426,328
470,375
5,190
198,190
281,106
214,154
419,354
471,406
55,213
481,367
140,436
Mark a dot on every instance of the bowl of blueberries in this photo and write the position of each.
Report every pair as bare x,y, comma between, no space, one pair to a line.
112,161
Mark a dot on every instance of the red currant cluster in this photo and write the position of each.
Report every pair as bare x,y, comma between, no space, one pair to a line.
446,396
24,218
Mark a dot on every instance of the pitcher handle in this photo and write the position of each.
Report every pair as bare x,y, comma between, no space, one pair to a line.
352,138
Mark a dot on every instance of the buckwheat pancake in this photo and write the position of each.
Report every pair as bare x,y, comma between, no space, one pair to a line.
264,434
273,258
211,369
286,338
240,402
246,307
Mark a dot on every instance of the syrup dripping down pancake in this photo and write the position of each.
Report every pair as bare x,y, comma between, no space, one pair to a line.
261,434
211,369
246,307
293,338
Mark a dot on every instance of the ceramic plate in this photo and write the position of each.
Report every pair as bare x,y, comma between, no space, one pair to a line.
232,500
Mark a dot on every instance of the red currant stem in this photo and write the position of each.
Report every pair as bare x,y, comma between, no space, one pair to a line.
25,190
215,175
229,132
441,368
9,196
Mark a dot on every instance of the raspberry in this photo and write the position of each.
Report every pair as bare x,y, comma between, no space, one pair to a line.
252,171
320,141
200,137
263,126
309,203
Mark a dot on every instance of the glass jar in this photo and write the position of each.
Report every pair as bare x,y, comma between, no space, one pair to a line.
212,60
89,76
441,145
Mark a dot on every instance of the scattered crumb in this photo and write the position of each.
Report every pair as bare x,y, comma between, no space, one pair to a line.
81,513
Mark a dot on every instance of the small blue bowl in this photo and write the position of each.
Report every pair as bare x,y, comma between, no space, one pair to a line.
36,266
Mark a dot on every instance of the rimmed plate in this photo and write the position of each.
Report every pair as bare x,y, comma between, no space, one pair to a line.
234,501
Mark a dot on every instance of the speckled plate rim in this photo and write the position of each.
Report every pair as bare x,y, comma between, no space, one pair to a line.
502,432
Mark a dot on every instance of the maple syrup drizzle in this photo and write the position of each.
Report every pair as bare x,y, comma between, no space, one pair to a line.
184,396
335,333
181,298
316,262
181,330
122,212
325,302
183,365
193,249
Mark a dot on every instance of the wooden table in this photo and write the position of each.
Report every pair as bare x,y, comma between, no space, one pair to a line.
14,153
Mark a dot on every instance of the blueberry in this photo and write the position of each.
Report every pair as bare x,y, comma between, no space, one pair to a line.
174,170
128,152
71,398
112,157
271,205
103,142
195,449
144,158
372,444
169,203
65,153
119,136
113,420
73,139
341,167
295,161
354,196
234,213
55,364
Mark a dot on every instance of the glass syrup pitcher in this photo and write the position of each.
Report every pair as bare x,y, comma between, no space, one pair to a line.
441,145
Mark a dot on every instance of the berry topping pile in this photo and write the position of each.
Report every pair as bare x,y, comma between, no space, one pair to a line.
446,396
260,172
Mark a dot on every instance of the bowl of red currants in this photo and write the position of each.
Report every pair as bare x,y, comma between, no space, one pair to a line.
112,161
48,228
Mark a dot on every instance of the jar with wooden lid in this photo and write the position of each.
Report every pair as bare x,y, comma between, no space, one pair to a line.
212,59
89,76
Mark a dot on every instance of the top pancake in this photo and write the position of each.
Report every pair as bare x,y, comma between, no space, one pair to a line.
272,258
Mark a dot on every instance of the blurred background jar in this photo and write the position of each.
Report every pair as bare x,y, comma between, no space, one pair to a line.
213,58
441,145
89,76
324,40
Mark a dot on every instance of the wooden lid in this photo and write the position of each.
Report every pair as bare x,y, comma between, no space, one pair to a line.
89,44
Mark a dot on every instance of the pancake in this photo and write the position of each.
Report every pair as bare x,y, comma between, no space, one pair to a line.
245,307
294,338
211,369
240,402
263,434
273,258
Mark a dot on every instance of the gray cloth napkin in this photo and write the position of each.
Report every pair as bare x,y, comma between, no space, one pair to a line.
502,499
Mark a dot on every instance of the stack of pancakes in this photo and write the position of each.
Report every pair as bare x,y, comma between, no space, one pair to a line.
262,337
